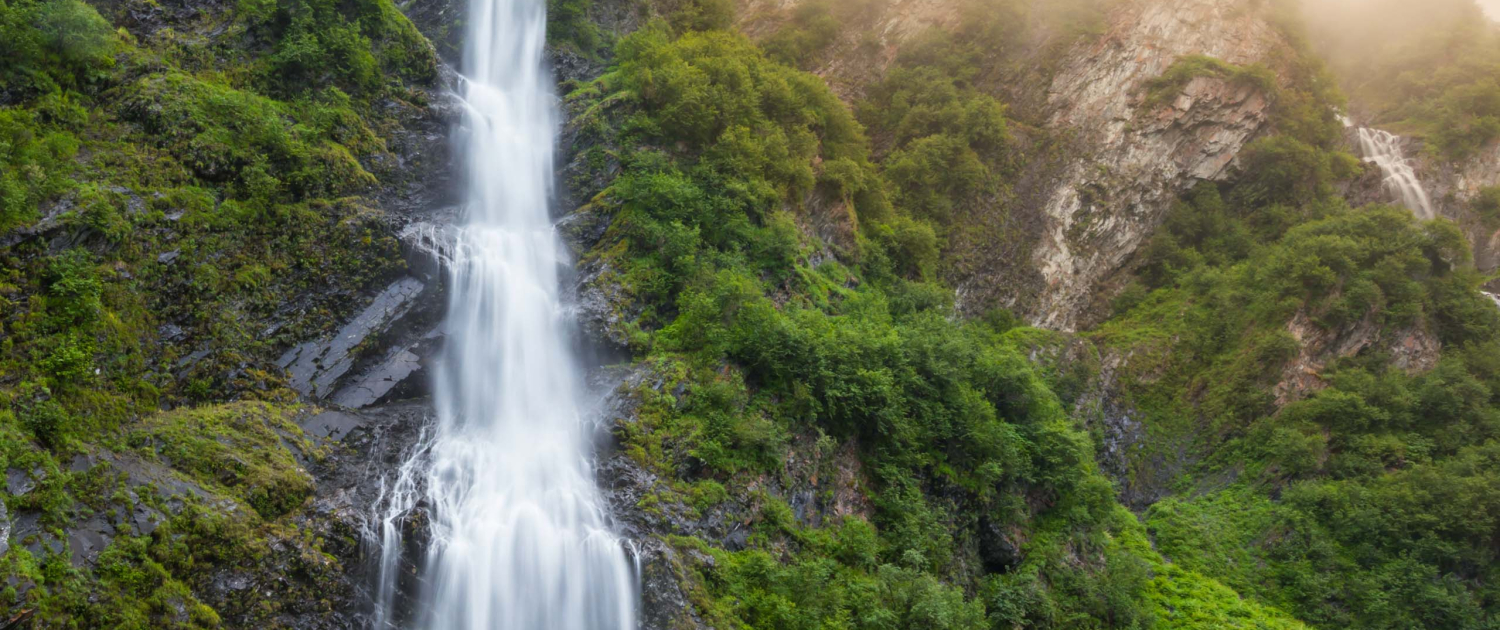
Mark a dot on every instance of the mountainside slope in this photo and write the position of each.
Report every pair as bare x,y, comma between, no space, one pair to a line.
810,237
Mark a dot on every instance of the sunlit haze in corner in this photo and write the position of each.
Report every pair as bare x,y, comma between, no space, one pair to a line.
1491,8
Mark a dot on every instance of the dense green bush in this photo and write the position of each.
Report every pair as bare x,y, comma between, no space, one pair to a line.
358,46
720,150
699,15
245,142
1332,511
568,22
36,161
943,141
812,28
52,45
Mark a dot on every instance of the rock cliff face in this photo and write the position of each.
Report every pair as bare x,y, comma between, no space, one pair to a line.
1074,222
1413,350
1138,159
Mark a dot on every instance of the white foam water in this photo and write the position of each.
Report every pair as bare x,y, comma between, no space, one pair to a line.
1383,149
519,536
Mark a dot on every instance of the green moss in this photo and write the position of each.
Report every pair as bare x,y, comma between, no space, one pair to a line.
249,449
38,165
1167,87
243,141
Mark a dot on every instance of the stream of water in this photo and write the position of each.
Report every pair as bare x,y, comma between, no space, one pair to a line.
1383,148
519,536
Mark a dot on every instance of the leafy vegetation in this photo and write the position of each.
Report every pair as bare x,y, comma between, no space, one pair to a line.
160,203
568,22
724,154
1170,84
1320,468
1317,384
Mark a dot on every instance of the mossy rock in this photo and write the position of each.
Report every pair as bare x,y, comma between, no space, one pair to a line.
250,450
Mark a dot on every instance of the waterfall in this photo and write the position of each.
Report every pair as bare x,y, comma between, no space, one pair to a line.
519,536
1383,148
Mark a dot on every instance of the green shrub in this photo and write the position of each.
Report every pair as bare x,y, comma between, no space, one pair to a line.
1487,205
53,45
356,46
47,421
700,15
1166,88
568,23
245,141
811,29
36,163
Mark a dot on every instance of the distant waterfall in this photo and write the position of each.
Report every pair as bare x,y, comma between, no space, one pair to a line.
520,539
1383,149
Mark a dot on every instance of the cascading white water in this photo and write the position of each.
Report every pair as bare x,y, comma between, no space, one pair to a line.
1383,149
520,540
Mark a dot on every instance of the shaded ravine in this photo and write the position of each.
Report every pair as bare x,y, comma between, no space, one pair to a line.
519,537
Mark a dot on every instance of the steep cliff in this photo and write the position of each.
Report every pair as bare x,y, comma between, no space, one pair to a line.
1141,155
1101,164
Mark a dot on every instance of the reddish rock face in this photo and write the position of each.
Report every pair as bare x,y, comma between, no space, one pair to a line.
1413,349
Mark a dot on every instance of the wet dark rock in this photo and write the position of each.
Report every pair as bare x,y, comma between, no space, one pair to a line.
442,22
192,359
317,367
602,306
171,332
420,173
664,604
4,529
18,482
332,426
28,532
998,549
87,539
144,520
365,449
326,585
428,242
401,375
584,228
737,540
416,535
81,462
